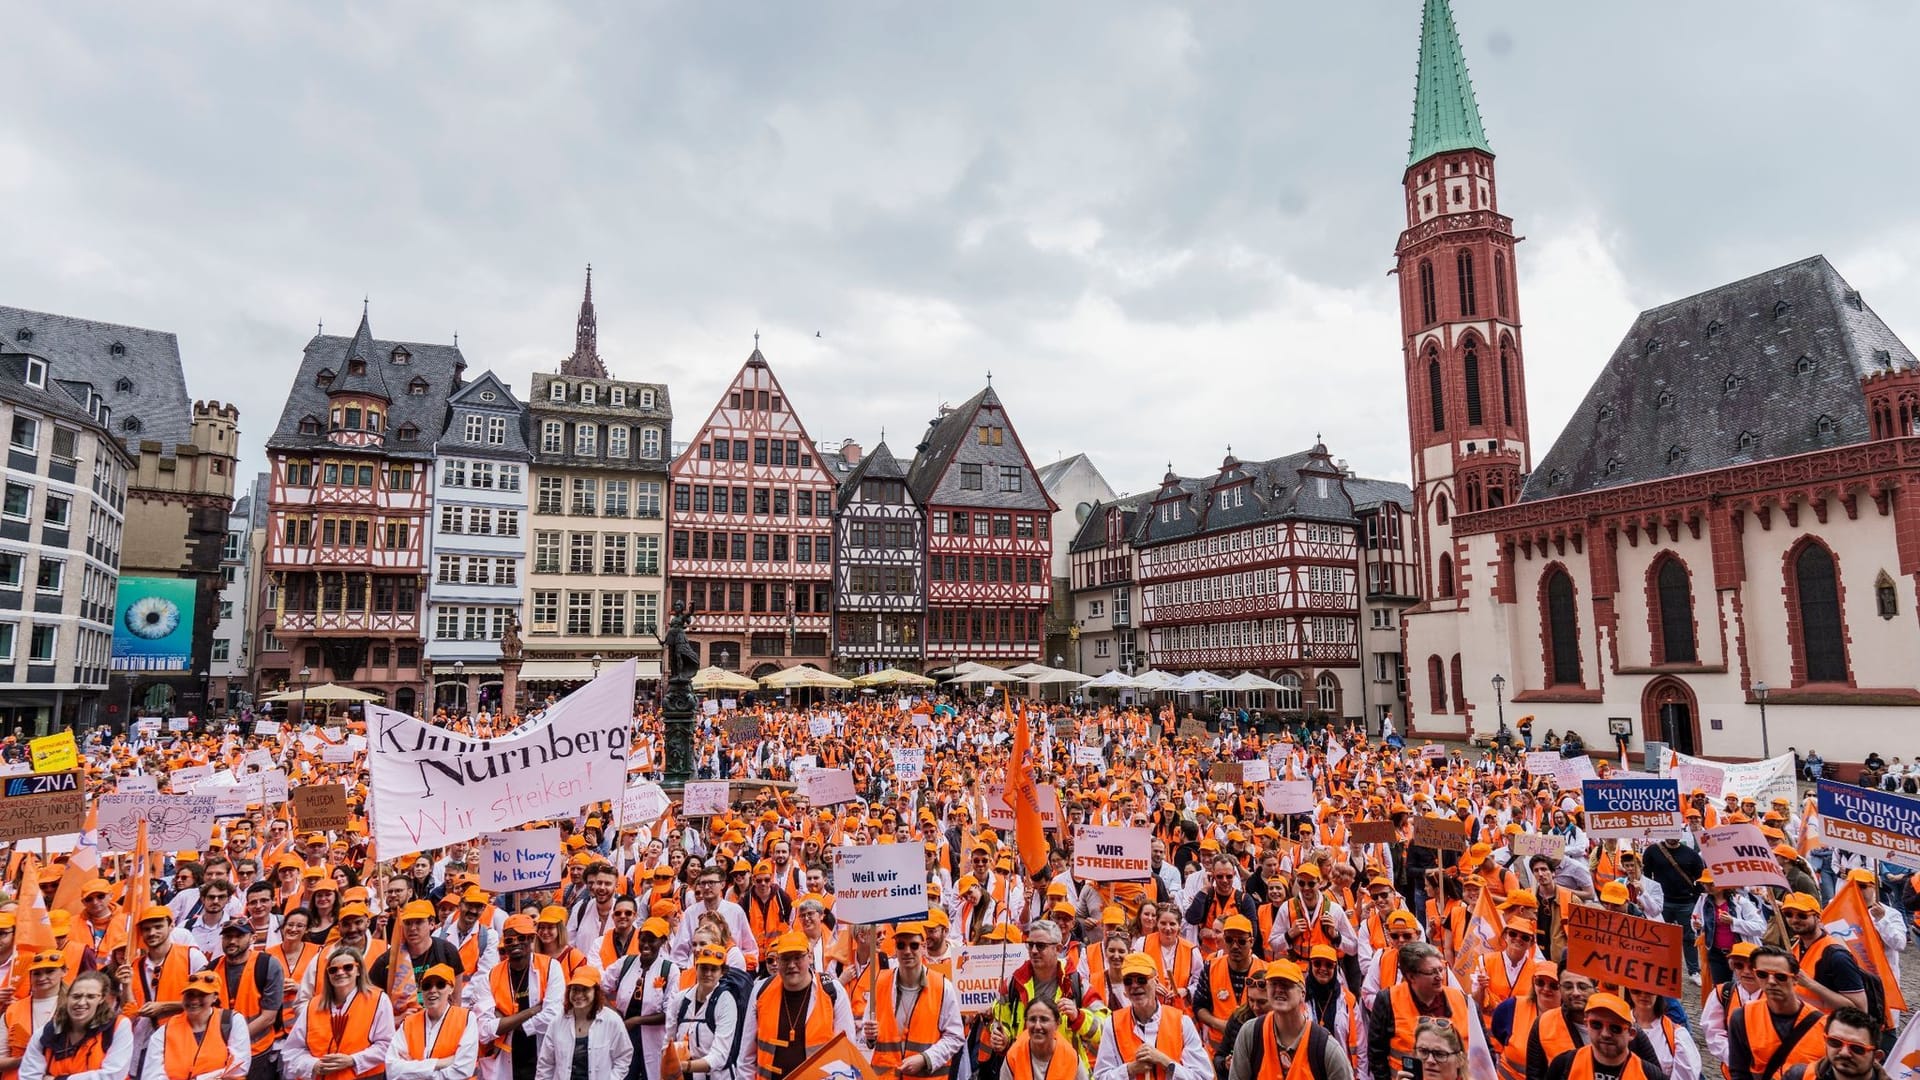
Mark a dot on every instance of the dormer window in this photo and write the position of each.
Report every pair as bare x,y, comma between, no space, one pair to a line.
123,385
408,433
1557,477
1606,412
617,396
309,426
1714,327
36,371
1854,301
1883,358
132,424
401,355
586,394
417,388
373,419
1780,309
1613,465
1730,384
1823,427
557,392
1803,366
116,349
1665,400
1748,440
324,377
1652,346
646,399
1675,453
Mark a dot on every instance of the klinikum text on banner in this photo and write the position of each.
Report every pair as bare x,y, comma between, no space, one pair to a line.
1877,824
432,787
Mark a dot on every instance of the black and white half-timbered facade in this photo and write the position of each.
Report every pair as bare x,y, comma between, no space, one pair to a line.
879,535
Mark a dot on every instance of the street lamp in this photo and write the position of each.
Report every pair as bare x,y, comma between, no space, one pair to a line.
596,665
1760,692
306,676
1500,709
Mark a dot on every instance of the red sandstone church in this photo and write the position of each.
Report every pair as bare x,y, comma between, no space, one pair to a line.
1720,552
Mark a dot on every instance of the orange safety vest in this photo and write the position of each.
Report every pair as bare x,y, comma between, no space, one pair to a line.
1406,1018
168,981
1064,1064
1302,1067
816,1033
19,1025
1181,976
445,1044
246,1000
354,1035
1763,1040
1498,988
894,1043
764,919
188,1055
295,972
1315,935
500,981
1551,1031
1169,1040
1512,1061
860,985
89,1056
1582,1068
609,955
1811,960
1221,1000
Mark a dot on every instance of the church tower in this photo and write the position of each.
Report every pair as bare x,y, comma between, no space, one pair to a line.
1460,310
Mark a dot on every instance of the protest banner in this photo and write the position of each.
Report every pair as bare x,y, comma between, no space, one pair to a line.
321,806
1000,815
1255,771
1372,832
1527,845
1739,855
1288,797
909,763
704,798
1568,772
879,883
54,753
1617,948
1433,752
643,802
1542,762
1112,853
1635,809
828,787
1762,781
1877,824
1088,755
981,970
42,804
434,787
229,798
1442,834
524,859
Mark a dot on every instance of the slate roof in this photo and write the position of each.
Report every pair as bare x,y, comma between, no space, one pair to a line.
1051,472
62,398
439,365
879,463
82,350
1092,533
453,440
1766,357
935,456
1288,488
943,437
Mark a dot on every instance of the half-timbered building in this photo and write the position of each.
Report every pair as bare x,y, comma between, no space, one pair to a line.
752,530
1257,568
879,545
989,536
352,463
1102,562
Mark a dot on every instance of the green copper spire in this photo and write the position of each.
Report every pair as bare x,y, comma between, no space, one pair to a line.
1445,116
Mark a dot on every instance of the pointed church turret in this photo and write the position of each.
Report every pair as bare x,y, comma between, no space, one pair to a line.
585,361
1445,114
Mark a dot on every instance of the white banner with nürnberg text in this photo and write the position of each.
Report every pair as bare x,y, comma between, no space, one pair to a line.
432,787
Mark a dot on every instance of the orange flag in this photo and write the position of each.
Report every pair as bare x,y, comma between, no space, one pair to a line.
32,932
838,1060
1848,919
1023,798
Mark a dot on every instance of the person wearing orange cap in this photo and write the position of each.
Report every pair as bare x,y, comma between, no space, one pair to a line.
769,910
1147,1037
1612,1045
423,950
1512,1025
1502,974
639,986
474,930
194,1043
29,1014
98,910
84,1036
1218,989
1832,975
550,939
345,1029
706,1017
1287,1042
1332,1005
252,984
155,977
913,1027
795,1014
1209,910
522,995
438,1041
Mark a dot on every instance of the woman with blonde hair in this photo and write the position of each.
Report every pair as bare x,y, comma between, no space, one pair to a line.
588,1041
346,1027
550,939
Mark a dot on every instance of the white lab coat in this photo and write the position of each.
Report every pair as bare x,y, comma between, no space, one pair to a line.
655,983
1193,1064
116,1065
552,999
709,1037
609,1052
401,1064
298,1058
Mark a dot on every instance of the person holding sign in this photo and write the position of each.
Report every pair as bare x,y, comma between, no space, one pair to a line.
913,1026
1148,1040
1828,976
202,1041
1778,1031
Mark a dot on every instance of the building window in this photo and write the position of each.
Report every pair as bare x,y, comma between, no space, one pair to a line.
552,437
557,392
1816,593
579,614
1287,698
59,511
7,632
1436,686
650,442
18,501
1443,579
585,438
1506,380
1500,283
26,433
1885,600
617,396
1471,366
617,436
1329,693
970,477
51,576
1563,630
42,644
551,492
221,647
546,608
1675,591
1009,476
476,427
1463,265
1434,392
1459,685
580,553
1429,304
585,495
496,431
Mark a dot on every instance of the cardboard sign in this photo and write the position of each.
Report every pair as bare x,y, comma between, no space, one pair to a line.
337,755
710,707
42,804
138,784
643,802
1441,834
828,787
819,726
174,822
1371,832
1255,771
1637,809
1542,762
1738,855
54,753
320,806
1433,752
147,726
1288,797
1526,845
266,727
1708,779
879,883
980,973
1088,755
1568,772
1612,947
705,798
527,859
1877,824
1104,853
909,763
1227,772
1000,815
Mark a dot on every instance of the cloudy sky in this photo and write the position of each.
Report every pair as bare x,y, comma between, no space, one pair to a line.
1164,228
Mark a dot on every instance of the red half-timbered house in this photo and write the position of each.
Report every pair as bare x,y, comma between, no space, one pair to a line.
751,546
351,465
989,546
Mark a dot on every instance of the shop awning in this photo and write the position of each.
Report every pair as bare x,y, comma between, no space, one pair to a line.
577,670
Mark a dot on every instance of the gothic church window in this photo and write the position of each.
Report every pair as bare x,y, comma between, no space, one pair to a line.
1563,630
1675,592
1816,589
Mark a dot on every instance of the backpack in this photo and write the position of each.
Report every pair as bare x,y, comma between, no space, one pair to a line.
1316,1047
739,984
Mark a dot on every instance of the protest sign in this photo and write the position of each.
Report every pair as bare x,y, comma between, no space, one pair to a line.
337,755
42,804
828,787
1088,755
266,727
1111,853
1739,855
1255,771
1762,781
1433,752
257,760
1636,809
743,726
909,763
704,798
710,707
1710,779
1527,845
54,753
179,723
141,784
879,883
1617,948
1877,824
1226,772
147,725
272,787
1542,762
182,780
436,787
643,802
1372,832
1288,797
1442,834
1000,815
1568,772
981,971
819,726
525,859
229,799
320,806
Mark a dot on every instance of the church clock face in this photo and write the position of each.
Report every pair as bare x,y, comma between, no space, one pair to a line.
1080,512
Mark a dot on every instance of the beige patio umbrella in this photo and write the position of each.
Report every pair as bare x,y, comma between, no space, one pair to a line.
803,676
892,677
713,678
323,692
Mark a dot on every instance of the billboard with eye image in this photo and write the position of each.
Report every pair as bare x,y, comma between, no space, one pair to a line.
153,624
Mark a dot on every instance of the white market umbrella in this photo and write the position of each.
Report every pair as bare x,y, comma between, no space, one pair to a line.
804,676
714,678
1247,680
891,677
1029,670
1202,681
1057,676
1112,680
1156,680
964,667
985,674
